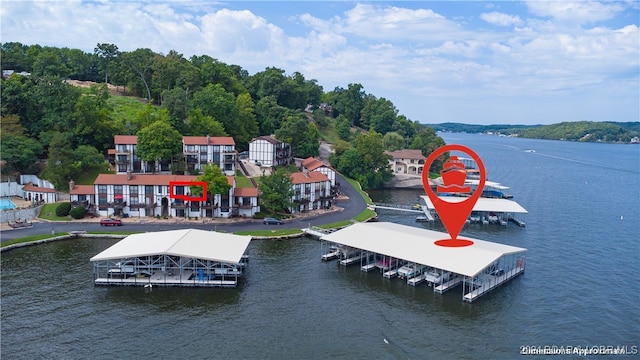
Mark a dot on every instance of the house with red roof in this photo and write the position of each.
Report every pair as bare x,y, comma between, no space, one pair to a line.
138,195
312,164
198,151
311,190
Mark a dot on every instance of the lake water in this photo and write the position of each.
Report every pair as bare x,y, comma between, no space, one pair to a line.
580,289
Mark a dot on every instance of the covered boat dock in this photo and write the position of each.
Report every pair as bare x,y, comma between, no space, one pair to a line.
411,254
186,257
485,210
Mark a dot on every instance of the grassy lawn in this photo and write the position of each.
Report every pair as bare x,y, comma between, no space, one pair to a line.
242,181
356,185
365,215
89,176
48,212
31,238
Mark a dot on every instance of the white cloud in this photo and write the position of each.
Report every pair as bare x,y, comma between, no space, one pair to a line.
580,12
409,56
501,19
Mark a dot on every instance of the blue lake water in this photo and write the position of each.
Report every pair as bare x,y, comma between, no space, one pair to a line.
580,288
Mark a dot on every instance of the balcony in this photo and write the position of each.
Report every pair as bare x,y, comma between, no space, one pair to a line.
143,206
123,151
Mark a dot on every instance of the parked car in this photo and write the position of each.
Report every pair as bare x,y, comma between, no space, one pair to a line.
271,221
110,222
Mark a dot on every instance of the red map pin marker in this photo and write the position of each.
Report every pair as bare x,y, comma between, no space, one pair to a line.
453,214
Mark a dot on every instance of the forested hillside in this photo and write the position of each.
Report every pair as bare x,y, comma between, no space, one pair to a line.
573,131
45,117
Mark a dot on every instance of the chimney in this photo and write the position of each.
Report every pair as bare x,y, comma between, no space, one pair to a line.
129,175
72,184
208,139
305,171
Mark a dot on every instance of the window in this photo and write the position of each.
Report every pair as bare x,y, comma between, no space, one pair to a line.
203,149
102,189
191,148
148,190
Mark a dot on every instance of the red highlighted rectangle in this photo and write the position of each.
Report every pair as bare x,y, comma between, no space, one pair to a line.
201,184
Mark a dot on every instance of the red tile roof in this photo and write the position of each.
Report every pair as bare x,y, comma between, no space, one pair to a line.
213,140
83,190
246,192
311,177
125,139
312,163
146,179
30,187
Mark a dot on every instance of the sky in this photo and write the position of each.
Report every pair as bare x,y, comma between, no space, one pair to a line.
474,62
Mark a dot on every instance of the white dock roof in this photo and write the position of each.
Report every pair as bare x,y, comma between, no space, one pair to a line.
417,245
193,243
483,204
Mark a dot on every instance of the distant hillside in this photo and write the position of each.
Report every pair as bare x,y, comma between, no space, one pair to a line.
590,131
584,131
472,129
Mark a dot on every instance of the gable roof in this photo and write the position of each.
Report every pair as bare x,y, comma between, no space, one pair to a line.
83,190
208,140
406,154
125,139
417,245
312,163
192,243
246,192
311,177
146,179
269,139
34,188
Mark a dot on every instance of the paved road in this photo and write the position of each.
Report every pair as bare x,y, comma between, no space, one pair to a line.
352,207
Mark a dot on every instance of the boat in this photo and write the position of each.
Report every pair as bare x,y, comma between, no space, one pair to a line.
410,270
435,277
422,218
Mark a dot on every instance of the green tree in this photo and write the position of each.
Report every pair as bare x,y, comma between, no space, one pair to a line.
349,102
106,52
88,156
366,162
276,191
93,120
246,124
217,184
215,101
176,101
159,141
199,124
140,63
379,115
61,164
19,152
295,131
393,141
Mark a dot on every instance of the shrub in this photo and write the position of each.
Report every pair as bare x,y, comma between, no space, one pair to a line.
63,209
78,212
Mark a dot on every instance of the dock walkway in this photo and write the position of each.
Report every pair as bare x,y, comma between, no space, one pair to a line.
491,282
